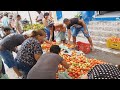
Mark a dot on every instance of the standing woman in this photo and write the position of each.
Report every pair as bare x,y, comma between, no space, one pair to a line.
29,52
46,22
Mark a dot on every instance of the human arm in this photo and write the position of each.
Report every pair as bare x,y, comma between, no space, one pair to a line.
37,56
51,35
47,41
64,64
69,35
37,51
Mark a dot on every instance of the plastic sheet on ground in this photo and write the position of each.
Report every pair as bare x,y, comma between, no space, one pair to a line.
63,75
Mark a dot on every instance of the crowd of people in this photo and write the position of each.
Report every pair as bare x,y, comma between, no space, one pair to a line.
30,62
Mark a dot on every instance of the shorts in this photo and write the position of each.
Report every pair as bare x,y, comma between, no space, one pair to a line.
8,58
47,33
60,36
75,31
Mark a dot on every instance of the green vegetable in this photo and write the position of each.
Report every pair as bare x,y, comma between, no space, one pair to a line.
34,27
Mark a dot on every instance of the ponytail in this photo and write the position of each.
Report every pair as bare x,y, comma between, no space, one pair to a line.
34,34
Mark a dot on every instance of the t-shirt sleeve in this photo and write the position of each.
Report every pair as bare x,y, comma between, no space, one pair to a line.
38,49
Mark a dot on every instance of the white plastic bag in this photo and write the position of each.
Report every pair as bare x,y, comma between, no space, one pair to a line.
64,75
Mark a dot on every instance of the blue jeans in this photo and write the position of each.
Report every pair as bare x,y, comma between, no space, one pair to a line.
23,67
8,58
47,32
75,31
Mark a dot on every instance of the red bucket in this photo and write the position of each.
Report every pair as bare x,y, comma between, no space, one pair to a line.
84,47
54,40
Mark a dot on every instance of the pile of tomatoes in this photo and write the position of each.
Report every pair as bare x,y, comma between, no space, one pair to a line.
79,64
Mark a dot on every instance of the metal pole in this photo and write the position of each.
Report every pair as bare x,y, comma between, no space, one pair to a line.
30,17
17,13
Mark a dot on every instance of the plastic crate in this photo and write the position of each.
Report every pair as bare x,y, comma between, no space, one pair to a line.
114,45
84,47
108,43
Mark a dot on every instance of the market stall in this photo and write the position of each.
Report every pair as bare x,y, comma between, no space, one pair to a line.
79,63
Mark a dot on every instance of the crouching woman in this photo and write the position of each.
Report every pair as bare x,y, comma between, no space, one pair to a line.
29,52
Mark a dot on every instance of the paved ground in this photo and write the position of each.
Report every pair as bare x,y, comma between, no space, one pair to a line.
102,55
105,56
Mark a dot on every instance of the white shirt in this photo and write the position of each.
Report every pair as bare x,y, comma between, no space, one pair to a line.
40,16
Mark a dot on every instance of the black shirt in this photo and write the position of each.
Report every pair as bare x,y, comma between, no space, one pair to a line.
72,22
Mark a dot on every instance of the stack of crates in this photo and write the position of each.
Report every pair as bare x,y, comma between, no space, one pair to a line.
113,42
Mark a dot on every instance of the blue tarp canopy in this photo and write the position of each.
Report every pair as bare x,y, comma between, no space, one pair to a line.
59,15
87,16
